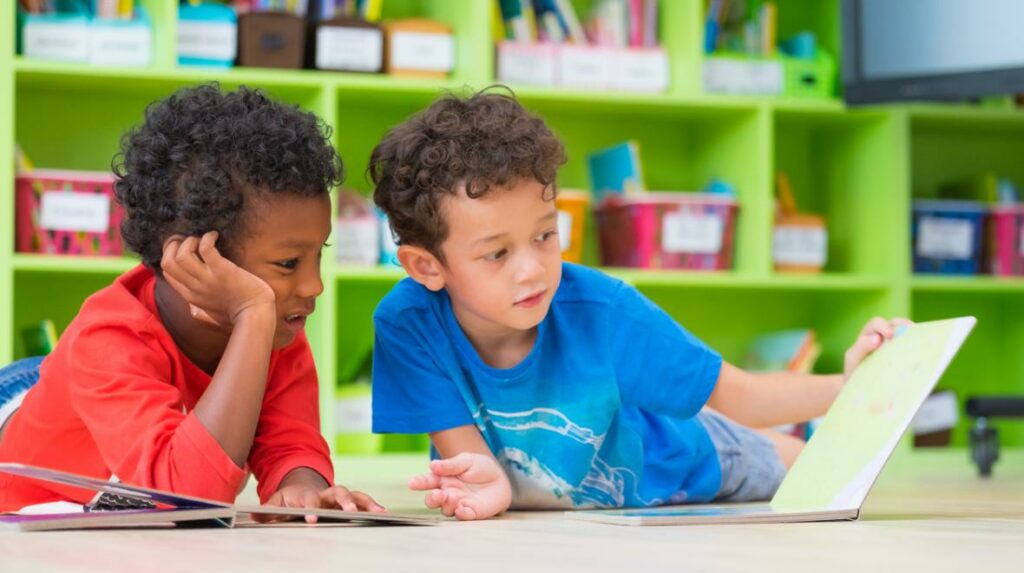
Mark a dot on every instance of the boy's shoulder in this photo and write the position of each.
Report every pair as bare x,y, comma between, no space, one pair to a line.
125,303
408,296
581,284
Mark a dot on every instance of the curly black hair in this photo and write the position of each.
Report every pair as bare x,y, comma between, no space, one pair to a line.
199,154
477,143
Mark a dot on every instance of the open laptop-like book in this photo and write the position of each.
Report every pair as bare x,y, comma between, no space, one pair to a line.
127,505
844,457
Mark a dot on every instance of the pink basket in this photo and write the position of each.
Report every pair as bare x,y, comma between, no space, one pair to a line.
67,213
1006,240
668,231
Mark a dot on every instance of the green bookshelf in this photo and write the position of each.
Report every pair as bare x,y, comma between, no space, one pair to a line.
859,168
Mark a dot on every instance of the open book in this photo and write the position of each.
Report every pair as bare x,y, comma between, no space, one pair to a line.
144,507
841,462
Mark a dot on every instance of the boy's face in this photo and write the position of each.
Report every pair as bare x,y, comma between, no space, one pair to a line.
281,244
503,262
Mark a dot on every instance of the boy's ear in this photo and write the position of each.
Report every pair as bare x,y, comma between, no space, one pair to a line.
422,266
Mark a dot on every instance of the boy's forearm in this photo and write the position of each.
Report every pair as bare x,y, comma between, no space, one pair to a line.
765,400
230,407
792,398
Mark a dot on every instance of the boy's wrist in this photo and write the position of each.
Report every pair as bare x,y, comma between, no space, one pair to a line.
303,476
257,315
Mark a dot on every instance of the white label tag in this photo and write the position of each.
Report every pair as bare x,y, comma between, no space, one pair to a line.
564,230
684,232
939,412
207,40
526,64
944,238
353,414
52,41
641,71
1021,237
584,67
805,246
421,51
71,211
736,76
350,49
120,46
357,241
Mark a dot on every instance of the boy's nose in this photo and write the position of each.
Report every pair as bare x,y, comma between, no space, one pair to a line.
311,286
529,269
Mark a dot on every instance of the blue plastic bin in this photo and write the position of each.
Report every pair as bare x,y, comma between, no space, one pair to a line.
948,236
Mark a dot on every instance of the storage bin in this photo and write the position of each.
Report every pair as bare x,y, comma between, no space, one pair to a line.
346,45
947,236
207,35
419,49
799,243
1006,240
777,75
79,38
271,40
809,77
572,215
67,213
668,230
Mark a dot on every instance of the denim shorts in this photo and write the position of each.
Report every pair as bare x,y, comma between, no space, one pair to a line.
15,380
751,468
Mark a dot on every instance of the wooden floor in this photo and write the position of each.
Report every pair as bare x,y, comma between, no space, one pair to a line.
927,513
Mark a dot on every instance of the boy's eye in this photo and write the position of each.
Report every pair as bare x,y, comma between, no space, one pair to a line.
496,255
545,236
290,264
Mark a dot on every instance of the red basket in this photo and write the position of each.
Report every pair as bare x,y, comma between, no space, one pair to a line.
67,213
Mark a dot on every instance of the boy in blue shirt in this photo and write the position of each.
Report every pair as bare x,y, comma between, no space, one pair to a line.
544,384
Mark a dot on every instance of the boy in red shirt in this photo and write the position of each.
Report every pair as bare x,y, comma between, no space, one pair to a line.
193,368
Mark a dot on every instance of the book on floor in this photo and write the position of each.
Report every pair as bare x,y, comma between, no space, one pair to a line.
119,505
833,475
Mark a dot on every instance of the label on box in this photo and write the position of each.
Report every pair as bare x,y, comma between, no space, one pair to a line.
802,246
945,238
65,41
581,67
353,414
205,40
640,71
564,230
727,75
71,211
526,64
422,51
939,412
120,46
350,49
357,241
684,232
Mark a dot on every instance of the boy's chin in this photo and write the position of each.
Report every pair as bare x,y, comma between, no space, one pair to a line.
528,321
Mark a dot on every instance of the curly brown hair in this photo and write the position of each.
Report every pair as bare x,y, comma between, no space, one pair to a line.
201,154
476,143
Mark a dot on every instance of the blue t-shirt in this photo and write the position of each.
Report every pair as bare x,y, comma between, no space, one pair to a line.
599,414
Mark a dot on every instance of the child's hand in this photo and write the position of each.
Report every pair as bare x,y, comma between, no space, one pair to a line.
334,497
877,331
468,486
217,290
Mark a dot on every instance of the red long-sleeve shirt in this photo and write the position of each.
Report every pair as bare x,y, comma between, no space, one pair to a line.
116,398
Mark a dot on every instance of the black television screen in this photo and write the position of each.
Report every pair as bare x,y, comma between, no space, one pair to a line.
896,50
